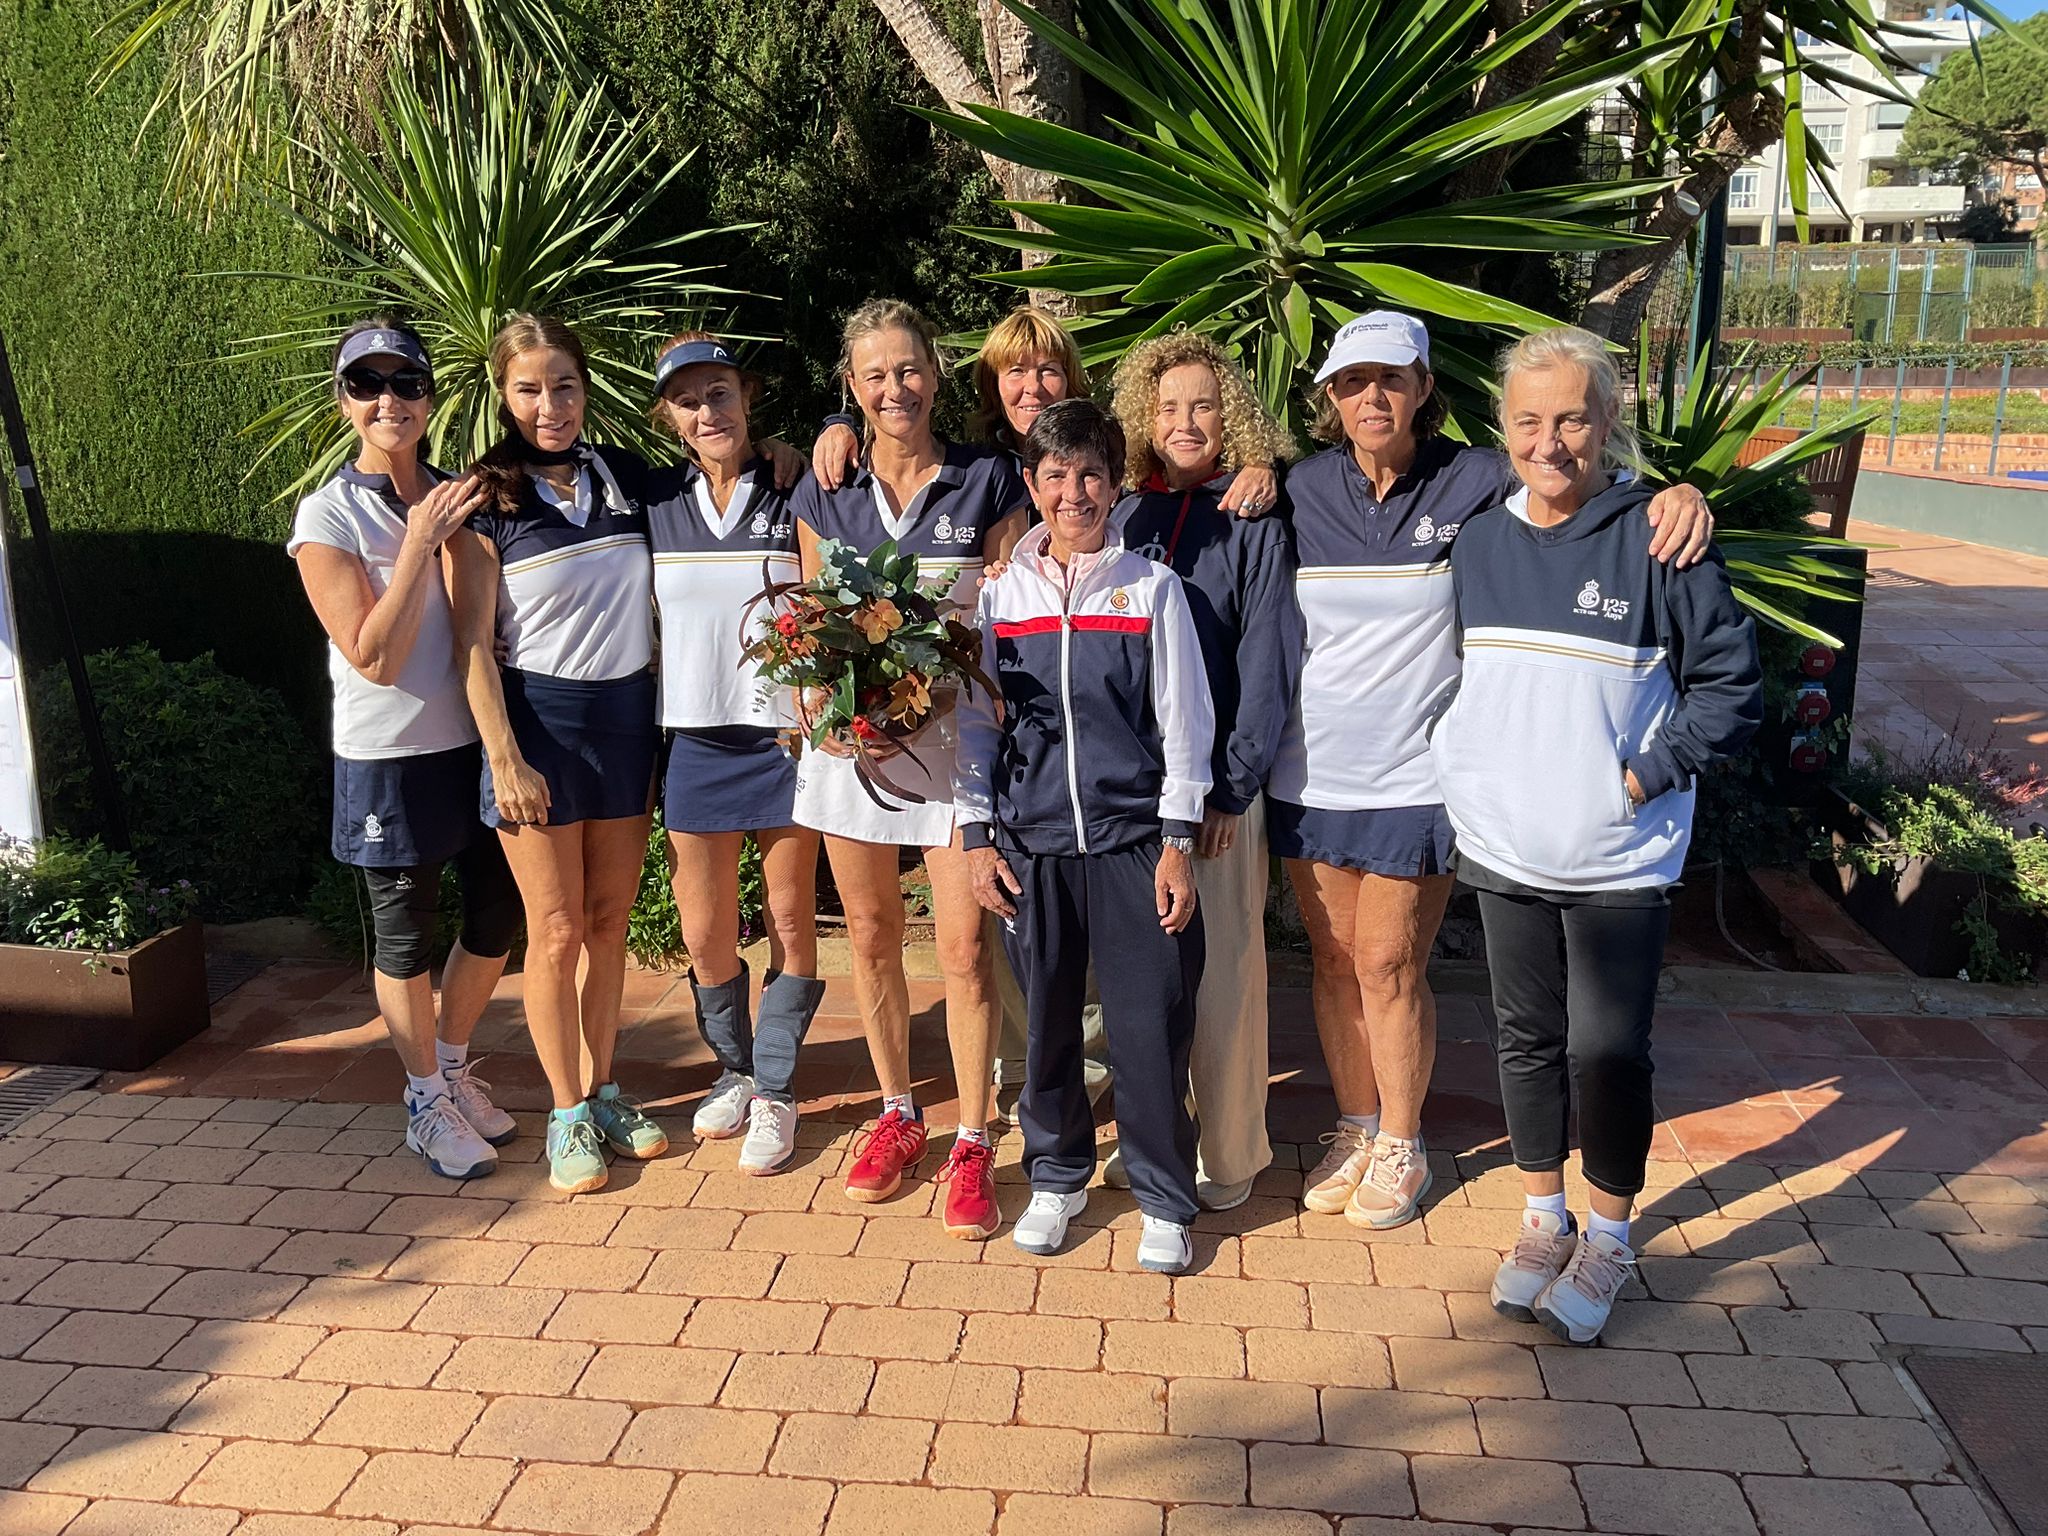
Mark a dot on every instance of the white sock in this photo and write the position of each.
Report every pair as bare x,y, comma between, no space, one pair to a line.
1554,1204
1370,1124
452,1058
977,1134
422,1091
899,1101
1618,1230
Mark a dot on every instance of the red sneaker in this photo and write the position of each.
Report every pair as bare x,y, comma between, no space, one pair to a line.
969,1177
881,1156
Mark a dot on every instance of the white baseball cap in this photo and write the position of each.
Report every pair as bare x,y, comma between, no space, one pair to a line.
1383,336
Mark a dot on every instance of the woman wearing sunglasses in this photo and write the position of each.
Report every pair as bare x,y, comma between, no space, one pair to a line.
555,570
368,547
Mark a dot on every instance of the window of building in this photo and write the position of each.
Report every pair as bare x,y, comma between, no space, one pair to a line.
1889,114
2027,181
1829,133
1742,190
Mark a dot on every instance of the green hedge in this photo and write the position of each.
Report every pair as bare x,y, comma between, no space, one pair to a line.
113,334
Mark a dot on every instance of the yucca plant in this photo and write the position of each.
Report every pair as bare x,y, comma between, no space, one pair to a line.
483,196
1278,166
248,79
1692,430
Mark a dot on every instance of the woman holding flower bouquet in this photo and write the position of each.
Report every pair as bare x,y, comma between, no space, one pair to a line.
953,508
555,569
719,523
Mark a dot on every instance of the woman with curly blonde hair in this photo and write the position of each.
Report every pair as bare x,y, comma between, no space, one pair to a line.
1193,422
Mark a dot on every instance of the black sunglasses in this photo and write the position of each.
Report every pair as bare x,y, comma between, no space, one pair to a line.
366,384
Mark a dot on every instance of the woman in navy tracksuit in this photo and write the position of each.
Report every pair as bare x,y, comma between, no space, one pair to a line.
1079,813
1597,685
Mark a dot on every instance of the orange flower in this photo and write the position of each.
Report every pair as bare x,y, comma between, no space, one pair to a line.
908,698
877,620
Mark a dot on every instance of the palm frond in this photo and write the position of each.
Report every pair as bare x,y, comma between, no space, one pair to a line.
480,197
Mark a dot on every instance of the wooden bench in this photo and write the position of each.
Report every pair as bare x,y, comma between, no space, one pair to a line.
1831,478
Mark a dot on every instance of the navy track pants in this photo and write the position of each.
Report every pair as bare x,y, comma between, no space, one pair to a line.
1102,905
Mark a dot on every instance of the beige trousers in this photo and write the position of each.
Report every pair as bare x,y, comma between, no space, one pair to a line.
1010,1040
1227,1072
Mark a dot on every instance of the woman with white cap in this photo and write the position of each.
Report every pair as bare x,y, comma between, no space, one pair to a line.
720,526
1597,686
368,547
1353,807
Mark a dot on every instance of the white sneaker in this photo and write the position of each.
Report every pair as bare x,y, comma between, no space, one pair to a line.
1575,1305
1542,1249
1333,1181
448,1142
1043,1226
1211,1196
724,1109
1165,1247
771,1137
472,1096
1114,1173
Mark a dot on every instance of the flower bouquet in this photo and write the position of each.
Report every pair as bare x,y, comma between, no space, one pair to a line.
873,654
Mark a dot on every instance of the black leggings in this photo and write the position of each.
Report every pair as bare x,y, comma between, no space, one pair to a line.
405,907
1574,986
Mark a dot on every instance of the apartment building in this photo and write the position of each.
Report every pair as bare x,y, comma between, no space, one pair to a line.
1878,195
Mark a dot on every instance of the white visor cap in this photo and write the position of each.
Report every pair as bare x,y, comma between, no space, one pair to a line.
1382,336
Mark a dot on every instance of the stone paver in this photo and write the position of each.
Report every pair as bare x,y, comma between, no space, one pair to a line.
265,1312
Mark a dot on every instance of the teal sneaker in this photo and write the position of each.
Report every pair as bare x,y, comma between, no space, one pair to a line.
625,1124
575,1155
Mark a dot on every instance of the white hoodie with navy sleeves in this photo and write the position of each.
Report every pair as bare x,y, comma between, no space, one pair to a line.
1106,726
1585,659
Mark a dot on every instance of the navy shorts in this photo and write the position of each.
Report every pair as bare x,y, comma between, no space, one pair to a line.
594,742
727,778
1386,840
398,812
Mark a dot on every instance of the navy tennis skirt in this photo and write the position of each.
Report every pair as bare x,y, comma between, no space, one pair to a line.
594,742
399,812
1388,840
727,778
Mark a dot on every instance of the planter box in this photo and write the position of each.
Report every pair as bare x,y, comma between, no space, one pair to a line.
1914,909
121,1015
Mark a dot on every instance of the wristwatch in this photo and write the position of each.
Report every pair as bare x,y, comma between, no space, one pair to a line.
1180,844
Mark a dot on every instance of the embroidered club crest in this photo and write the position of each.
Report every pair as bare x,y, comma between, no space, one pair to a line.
373,829
759,525
1589,596
1119,600
944,531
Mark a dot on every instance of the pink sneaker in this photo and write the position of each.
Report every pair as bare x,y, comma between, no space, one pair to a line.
1395,1181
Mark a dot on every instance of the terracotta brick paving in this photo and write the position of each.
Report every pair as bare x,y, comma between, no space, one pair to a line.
1955,644
231,1302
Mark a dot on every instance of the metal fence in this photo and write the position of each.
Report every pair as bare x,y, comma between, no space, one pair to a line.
1886,294
1951,415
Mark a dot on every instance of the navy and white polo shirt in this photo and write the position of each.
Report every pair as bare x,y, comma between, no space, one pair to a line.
947,524
575,585
1374,587
424,710
708,566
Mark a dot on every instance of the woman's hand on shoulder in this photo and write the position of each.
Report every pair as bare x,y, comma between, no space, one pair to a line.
1254,492
836,451
445,508
1684,525
786,462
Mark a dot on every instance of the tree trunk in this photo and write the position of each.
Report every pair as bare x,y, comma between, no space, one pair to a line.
1524,72
1031,78
1625,280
